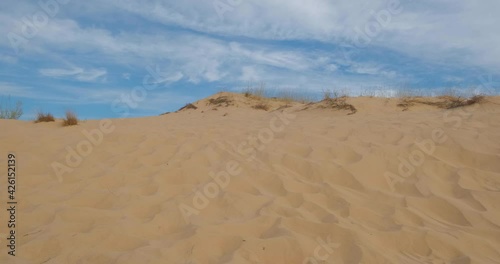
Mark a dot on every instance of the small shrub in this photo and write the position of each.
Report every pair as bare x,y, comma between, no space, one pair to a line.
44,117
261,106
11,112
71,119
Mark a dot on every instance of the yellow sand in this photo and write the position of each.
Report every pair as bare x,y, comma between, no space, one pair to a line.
323,187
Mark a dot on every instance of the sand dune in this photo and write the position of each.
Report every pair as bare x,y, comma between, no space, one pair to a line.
228,183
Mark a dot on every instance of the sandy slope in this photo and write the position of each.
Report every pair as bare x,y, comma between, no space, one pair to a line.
323,187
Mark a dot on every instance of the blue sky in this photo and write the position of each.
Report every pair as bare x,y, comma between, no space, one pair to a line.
89,55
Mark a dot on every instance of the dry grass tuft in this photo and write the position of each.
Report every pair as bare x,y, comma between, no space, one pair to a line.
44,117
290,96
11,112
255,92
283,95
220,101
188,106
71,119
455,102
448,101
338,101
406,103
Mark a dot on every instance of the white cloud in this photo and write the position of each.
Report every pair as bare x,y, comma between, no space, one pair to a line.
332,67
249,74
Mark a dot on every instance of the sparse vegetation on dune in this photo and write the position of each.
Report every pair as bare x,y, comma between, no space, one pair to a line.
285,95
188,106
44,117
448,99
11,112
260,98
290,96
71,119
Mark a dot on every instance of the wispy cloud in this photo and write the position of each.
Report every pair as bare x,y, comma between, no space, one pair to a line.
8,59
432,27
84,75
28,92
370,69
